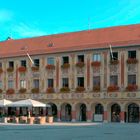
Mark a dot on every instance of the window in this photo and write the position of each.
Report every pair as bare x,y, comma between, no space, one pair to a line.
114,56
50,82
50,61
96,81
36,62
96,57
11,64
23,63
1,85
65,60
65,82
132,79
22,84
80,58
131,54
10,84
80,81
0,64
114,80
36,83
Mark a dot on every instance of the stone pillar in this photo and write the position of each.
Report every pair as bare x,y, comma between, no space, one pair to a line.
89,116
122,115
44,111
73,116
17,111
105,116
59,116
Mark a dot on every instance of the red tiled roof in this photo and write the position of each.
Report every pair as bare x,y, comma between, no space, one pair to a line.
90,39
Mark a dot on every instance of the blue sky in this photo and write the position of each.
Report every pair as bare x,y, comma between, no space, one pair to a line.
29,18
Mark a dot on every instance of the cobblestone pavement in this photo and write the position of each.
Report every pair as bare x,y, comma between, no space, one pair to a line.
71,131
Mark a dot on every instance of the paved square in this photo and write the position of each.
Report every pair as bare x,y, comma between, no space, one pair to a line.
71,131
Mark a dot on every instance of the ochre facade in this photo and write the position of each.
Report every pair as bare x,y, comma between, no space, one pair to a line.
114,95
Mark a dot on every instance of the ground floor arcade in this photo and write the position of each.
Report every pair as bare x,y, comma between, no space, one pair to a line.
95,112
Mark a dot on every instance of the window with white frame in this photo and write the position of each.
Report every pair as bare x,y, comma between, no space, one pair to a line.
65,82
80,58
22,83
11,64
36,83
96,57
50,61
114,80
36,62
132,54
0,64
65,60
132,79
0,84
23,63
96,81
50,82
80,81
10,83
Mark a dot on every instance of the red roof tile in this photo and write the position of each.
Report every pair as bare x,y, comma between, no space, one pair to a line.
98,38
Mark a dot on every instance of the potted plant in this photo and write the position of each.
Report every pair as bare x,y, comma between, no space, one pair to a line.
35,90
65,66
50,67
50,90
132,61
1,70
35,68
80,64
22,90
80,89
96,63
10,69
65,89
96,88
131,87
112,88
10,91
22,69
114,62
1,90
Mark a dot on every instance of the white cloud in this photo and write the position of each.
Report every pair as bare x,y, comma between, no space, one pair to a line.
24,30
5,15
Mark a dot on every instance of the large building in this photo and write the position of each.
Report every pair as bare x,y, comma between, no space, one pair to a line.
76,73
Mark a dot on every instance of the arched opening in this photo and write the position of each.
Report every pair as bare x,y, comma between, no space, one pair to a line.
52,111
66,112
115,113
82,114
98,116
133,113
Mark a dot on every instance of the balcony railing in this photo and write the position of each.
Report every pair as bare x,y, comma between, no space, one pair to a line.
65,89
50,90
22,90
80,64
114,62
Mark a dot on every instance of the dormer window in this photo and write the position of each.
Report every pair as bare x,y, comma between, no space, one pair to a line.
50,45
